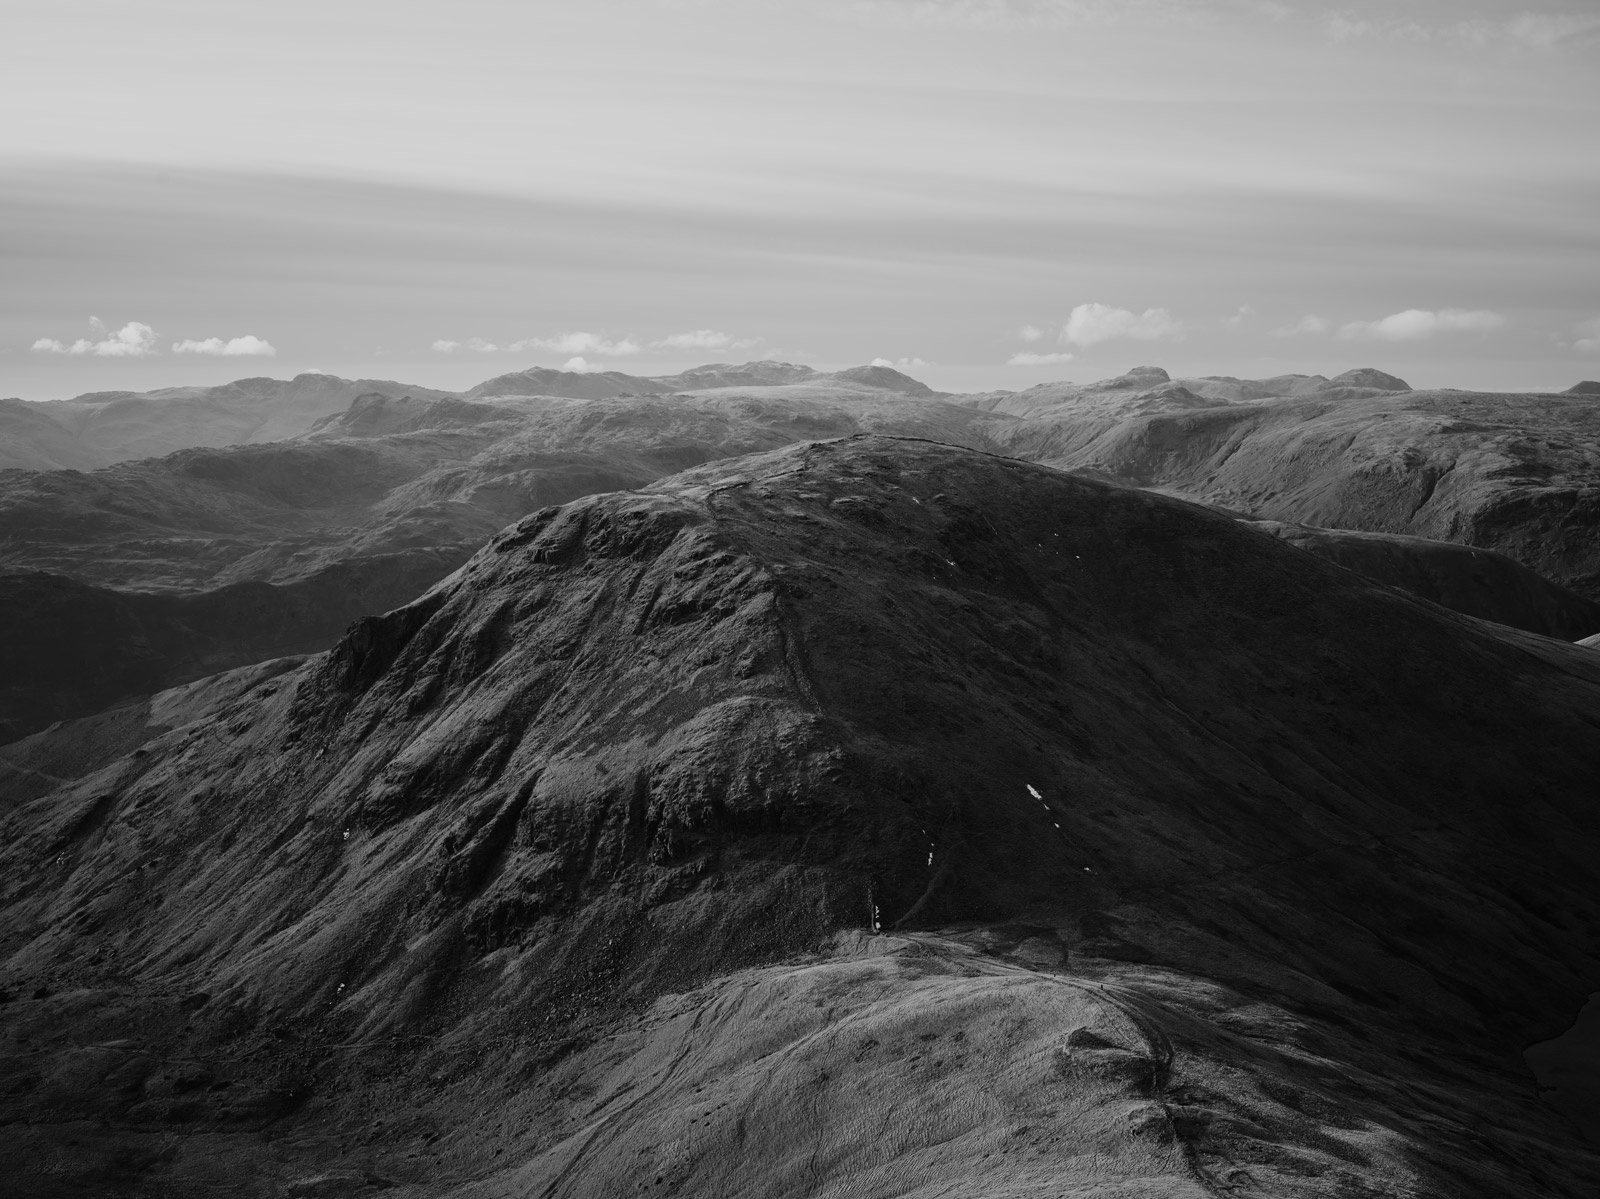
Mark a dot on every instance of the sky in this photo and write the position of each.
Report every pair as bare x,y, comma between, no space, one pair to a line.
985,193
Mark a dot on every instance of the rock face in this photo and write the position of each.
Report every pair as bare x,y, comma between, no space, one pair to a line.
539,883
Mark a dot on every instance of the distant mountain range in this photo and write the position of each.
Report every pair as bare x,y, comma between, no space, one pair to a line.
164,568
105,427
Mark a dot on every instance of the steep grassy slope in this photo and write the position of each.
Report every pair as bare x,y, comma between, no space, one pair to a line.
1289,868
1519,474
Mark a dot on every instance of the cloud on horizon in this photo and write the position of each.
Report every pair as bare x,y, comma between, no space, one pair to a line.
1309,324
133,340
579,344
898,363
1091,324
1418,324
704,339
476,344
567,343
1588,337
235,347
1025,358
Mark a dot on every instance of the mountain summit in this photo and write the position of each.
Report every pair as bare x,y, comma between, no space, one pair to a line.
809,791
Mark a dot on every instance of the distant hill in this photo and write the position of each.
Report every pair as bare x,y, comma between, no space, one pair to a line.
1515,473
545,381
422,479
105,427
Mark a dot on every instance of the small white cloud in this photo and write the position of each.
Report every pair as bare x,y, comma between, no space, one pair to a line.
1091,324
247,346
1030,333
1417,324
704,339
1028,359
1588,337
1312,324
898,363
476,344
578,344
133,340
577,364
1239,318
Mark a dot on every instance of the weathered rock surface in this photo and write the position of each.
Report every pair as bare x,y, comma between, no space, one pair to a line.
535,885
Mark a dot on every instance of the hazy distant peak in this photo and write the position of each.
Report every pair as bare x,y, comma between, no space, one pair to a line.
765,373
578,385
1366,376
885,377
1138,377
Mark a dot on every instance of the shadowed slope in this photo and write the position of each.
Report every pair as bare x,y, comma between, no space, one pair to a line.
68,648
1519,474
1471,581
648,739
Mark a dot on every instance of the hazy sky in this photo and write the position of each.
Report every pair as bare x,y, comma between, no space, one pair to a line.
997,192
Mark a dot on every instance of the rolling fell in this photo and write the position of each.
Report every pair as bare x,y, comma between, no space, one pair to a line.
874,816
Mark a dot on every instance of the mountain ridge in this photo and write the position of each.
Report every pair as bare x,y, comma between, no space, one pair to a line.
650,750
